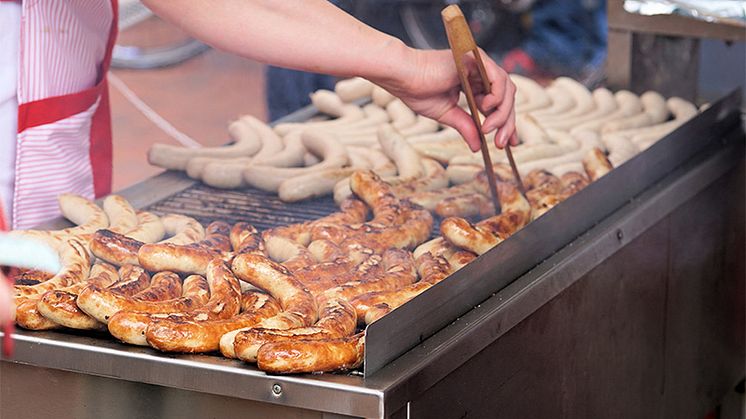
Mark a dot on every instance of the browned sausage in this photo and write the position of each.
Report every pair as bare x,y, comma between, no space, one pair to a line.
399,272
322,276
352,211
187,334
336,319
245,238
29,277
76,263
572,183
469,205
160,297
115,248
60,306
479,238
432,269
132,280
483,236
28,316
299,306
130,326
190,258
290,357
596,164
275,279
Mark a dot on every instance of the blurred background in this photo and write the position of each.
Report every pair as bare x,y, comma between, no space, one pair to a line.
167,87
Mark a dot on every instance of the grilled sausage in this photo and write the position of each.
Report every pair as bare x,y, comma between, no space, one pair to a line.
336,319
399,272
465,206
487,233
190,334
130,326
291,357
115,248
76,263
121,215
432,269
182,229
245,238
81,211
60,306
30,317
149,229
596,164
191,258
299,306
160,297
278,282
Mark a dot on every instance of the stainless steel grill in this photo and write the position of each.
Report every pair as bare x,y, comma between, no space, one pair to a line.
415,347
261,209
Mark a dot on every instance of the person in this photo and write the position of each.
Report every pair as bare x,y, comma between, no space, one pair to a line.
539,39
54,66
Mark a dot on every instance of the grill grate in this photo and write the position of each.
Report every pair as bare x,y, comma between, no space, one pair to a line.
261,209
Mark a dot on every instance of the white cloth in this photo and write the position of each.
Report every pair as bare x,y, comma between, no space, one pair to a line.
10,22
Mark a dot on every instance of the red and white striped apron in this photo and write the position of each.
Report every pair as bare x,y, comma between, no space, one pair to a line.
64,125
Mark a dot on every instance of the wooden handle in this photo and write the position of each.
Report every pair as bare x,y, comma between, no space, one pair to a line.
462,42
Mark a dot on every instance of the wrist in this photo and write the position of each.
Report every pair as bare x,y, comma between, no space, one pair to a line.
397,70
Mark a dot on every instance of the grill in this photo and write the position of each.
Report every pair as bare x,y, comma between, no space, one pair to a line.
411,349
261,209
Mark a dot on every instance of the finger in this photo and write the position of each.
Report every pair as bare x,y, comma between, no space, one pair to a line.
499,84
514,138
487,103
497,76
506,132
458,119
498,118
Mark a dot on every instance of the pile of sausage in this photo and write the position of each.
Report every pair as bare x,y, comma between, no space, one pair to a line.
290,299
558,127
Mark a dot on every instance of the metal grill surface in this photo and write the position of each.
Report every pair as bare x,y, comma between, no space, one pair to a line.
261,209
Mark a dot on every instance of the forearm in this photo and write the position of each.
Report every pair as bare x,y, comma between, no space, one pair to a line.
309,35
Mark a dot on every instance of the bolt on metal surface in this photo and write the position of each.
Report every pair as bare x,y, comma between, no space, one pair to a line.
276,389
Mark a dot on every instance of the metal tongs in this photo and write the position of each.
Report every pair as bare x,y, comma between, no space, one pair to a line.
27,253
462,42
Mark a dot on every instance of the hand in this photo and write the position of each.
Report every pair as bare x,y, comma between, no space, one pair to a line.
432,89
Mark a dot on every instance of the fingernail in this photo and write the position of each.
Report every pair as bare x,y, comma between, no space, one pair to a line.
503,139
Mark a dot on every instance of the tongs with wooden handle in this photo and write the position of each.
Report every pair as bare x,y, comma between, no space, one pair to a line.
27,253
462,42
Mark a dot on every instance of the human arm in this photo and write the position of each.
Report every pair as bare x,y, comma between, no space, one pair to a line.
314,35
